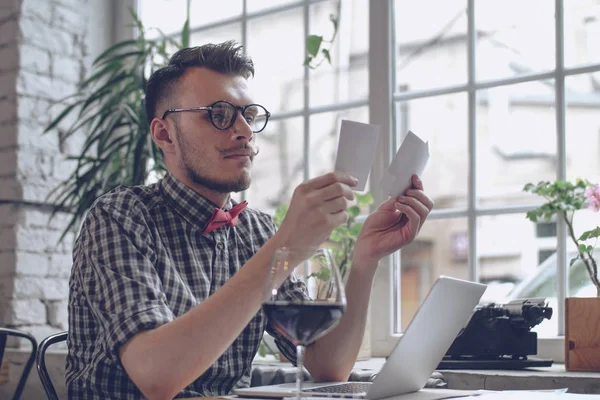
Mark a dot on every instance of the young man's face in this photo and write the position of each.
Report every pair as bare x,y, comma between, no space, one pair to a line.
219,160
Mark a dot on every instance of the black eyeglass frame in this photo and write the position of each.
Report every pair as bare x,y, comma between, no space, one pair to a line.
241,109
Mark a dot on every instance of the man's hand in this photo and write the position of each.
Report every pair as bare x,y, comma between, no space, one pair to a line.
393,225
317,207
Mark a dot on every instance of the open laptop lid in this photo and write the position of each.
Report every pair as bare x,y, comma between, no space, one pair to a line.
444,312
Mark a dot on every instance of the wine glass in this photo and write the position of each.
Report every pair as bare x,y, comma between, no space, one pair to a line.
305,318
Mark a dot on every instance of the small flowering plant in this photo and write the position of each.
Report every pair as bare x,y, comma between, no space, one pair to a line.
564,198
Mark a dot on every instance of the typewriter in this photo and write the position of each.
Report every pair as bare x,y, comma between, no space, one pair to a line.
498,336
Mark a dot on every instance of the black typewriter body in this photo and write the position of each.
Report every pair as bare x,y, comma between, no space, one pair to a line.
499,336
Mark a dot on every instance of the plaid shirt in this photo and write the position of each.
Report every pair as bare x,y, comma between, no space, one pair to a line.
141,261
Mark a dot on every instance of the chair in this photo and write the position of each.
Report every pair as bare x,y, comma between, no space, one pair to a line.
4,333
41,363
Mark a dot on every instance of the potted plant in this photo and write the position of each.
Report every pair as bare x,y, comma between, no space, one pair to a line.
582,315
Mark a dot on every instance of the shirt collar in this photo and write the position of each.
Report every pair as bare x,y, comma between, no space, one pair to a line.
191,205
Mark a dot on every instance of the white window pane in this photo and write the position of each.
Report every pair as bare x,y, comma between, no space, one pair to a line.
276,44
346,78
442,121
511,252
431,43
206,12
279,166
508,43
582,32
516,141
324,137
217,35
166,15
583,126
259,5
440,249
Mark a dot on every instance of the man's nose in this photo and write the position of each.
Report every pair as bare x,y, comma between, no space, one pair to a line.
241,128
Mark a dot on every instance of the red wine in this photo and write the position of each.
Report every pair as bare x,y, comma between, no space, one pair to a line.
303,323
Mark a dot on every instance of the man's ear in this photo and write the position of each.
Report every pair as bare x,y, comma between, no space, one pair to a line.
162,134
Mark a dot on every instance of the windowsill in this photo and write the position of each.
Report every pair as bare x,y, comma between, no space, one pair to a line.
554,377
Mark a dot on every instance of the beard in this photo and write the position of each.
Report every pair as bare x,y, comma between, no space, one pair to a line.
214,184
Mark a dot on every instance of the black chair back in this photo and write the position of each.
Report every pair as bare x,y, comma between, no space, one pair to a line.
41,363
4,334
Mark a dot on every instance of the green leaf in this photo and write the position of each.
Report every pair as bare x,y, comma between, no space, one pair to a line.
594,233
353,211
582,248
363,200
185,34
532,215
106,53
327,55
313,43
573,260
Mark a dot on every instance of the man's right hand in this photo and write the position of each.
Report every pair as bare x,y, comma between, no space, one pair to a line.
317,207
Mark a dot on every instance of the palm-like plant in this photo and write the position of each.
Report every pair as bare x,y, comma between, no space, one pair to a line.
109,107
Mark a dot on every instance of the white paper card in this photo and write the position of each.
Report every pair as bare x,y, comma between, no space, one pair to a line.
411,158
356,150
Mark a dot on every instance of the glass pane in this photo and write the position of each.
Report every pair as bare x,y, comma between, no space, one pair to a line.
276,44
516,141
582,32
440,249
442,121
206,12
583,126
279,166
347,77
217,35
324,137
508,43
511,262
166,15
431,45
258,5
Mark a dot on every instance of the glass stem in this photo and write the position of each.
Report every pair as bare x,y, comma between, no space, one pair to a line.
300,367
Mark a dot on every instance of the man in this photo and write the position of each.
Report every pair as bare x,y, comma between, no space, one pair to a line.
166,302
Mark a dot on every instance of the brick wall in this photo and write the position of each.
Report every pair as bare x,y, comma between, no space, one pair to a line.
46,48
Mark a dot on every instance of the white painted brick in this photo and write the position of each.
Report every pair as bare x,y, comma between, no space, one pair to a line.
39,332
31,264
38,85
63,168
8,162
60,265
34,59
28,312
28,287
41,10
35,109
40,34
68,19
9,57
37,240
57,314
55,289
35,163
37,218
67,69
33,190
31,136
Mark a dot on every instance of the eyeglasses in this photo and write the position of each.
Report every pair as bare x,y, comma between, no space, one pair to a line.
223,114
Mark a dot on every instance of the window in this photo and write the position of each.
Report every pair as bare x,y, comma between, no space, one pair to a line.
487,90
476,79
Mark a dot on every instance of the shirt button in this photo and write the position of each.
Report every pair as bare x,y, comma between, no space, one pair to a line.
220,245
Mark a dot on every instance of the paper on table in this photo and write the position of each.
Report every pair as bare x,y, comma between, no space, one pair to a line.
356,150
411,158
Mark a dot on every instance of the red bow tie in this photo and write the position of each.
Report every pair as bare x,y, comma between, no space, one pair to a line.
220,217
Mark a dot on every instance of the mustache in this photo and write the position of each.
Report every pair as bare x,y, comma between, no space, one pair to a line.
254,150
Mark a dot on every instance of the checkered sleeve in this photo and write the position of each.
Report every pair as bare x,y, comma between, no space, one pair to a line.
292,289
118,273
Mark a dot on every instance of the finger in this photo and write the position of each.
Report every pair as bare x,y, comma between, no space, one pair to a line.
335,190
388,205
414,220
332,177
417,183
416,205
336,205
422,197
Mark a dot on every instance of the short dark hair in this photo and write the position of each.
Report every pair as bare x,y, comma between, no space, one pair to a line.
227,58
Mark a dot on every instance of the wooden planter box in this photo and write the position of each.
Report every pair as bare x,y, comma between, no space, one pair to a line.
582,334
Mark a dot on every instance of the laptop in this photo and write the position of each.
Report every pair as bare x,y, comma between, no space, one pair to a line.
444,312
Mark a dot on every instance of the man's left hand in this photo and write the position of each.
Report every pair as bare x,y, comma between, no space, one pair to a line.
393,225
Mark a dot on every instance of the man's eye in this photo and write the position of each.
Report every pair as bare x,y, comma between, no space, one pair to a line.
250,118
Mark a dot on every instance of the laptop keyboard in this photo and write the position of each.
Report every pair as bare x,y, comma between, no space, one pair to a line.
348,387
